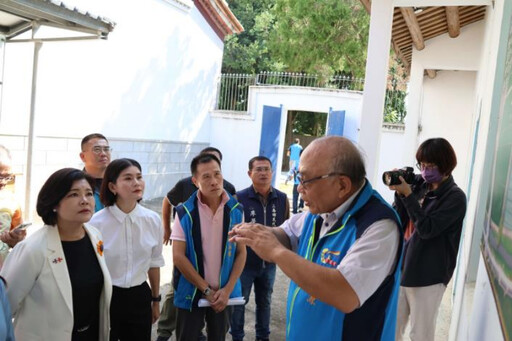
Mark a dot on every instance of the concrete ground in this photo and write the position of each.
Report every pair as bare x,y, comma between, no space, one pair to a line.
279,297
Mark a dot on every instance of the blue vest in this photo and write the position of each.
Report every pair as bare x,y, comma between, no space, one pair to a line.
97,200
311,319
186,294
273,214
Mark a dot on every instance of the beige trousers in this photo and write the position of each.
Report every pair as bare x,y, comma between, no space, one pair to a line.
420,305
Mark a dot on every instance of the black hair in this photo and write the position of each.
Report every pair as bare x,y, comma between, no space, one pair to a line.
90,137
55,189
211,150
439,152
259,158
202,158
114,169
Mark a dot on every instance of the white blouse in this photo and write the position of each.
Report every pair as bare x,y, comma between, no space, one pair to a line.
132,243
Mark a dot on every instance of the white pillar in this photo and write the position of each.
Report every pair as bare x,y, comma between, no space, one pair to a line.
413,118
372,111
31,135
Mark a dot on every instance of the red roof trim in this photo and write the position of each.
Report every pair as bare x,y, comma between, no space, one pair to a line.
219,17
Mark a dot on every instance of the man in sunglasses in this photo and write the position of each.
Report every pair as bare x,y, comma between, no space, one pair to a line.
95,155
343,256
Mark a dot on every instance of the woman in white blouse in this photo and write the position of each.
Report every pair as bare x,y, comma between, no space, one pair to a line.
133,251
59,287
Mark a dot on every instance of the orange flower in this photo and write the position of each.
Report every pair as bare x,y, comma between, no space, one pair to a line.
99,247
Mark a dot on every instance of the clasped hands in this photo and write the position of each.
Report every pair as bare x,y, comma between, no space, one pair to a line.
218,299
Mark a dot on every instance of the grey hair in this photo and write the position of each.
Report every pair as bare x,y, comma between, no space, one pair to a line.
346,158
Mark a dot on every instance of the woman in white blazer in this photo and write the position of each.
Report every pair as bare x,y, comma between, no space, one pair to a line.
58,284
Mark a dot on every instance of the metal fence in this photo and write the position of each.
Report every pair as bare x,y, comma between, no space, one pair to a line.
233,89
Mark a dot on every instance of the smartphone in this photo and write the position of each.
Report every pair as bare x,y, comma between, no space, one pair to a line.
21,227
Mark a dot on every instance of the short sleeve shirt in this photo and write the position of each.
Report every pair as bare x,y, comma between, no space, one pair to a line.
212,230
132,243
368,261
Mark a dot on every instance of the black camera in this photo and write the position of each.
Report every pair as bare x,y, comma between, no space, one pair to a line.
392,177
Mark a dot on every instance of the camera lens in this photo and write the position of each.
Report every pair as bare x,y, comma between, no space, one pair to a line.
387,178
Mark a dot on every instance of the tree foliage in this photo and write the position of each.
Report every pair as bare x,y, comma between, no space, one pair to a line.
316,36
308,123
248,52
320,36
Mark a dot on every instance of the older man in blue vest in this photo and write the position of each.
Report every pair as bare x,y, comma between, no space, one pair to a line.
343,256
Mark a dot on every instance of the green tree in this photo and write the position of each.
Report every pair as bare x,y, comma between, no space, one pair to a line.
248,52
320,36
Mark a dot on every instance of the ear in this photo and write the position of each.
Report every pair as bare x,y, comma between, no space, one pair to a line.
346,186
112,187
82,157
194,181
249,172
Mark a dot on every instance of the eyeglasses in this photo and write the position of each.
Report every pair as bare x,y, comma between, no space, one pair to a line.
99,150
6,178
426,166
305,182
261,169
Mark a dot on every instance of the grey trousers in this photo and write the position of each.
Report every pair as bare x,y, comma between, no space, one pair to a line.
420,305
167,321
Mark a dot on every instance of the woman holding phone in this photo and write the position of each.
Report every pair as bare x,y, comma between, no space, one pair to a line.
133,250
59,287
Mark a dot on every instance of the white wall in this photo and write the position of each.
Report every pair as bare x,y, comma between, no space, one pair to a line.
474,312
447,111
148,88
154,78
238,135
484,323
163,163
461,95
392,137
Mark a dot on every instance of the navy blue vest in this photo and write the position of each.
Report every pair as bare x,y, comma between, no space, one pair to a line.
273,214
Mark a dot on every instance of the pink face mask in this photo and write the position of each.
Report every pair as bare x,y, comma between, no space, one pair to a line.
431,175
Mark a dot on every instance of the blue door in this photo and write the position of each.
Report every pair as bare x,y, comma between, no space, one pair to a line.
335,122
269,141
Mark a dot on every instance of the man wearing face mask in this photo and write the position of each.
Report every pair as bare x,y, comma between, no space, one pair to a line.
432,211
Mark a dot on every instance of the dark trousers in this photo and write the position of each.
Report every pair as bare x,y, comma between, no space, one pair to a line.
167,321
130,313
296,199
190,323
263,280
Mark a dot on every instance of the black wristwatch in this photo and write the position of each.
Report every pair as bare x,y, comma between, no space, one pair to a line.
156,299
207,291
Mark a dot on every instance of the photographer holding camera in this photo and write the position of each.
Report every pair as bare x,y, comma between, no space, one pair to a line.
432,209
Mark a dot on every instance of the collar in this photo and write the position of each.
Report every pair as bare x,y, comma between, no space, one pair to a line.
340,210
223,201
255,194
443,187
121,216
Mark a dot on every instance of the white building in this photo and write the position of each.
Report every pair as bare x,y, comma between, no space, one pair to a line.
459,88
149,87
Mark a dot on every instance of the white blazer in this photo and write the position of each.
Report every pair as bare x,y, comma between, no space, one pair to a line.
39,288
